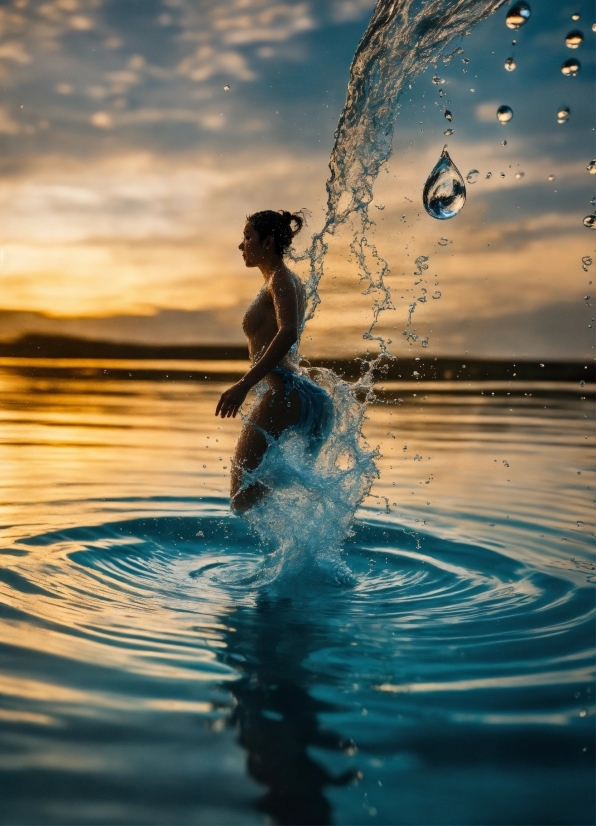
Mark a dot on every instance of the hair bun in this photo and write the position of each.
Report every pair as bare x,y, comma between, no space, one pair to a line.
282,226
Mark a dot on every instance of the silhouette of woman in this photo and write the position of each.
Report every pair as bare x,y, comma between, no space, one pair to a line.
272,325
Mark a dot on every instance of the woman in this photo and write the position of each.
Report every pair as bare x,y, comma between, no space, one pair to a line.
272,324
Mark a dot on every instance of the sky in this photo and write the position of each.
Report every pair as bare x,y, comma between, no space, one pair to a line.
136,135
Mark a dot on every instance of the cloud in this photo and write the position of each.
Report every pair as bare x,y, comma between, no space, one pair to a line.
136,231
208,61
258,21
346,10
15,51
8,126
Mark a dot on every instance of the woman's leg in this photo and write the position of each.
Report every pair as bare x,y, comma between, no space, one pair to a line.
274,412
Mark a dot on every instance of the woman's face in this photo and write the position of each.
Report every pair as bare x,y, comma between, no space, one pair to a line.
252,248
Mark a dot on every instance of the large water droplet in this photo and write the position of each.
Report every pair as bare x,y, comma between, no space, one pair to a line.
472,176
444,191
571,67
504,114
510,64
590,221
563,114
574,39
518,15
591,167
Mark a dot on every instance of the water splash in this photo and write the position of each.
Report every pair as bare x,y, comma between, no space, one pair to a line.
504,114
518,15
313,502
574,39
444,191
571,67
563,114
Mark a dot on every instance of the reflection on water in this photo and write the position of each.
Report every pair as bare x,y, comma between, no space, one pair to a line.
143,680
278,719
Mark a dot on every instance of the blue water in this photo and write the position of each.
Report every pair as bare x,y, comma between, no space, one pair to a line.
150,672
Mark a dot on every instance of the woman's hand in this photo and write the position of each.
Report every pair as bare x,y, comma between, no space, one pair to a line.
231,400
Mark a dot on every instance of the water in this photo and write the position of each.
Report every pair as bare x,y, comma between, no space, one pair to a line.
518,15
563,114
504,114
510,64
444,192
571,67
574,39
147,677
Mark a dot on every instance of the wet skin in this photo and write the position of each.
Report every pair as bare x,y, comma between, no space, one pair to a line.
271,325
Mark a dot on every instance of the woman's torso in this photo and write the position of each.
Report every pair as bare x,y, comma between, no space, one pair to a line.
260,323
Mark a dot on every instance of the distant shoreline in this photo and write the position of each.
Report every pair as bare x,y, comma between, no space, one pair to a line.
463,368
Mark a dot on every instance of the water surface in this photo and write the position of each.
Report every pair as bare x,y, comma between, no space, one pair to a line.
146,677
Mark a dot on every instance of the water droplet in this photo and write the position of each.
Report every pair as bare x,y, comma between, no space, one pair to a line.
563,114
444,191
510,64
489,175
514,42
503,143
436,294
590,221
437,80
448,132
465,60
571,67
586,262
472,90
226,88
519,175
574,39
591,167
448,115
443,242
594,27
582,383
442,93
518,15
583,713
472,176
504,114
552,178
200,533
501,174
575,16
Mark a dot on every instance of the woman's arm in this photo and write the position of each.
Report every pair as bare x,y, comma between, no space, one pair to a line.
285,302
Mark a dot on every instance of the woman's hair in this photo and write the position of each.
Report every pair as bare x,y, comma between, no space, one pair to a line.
281,225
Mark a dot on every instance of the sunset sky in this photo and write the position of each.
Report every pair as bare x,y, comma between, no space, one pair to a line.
128,170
